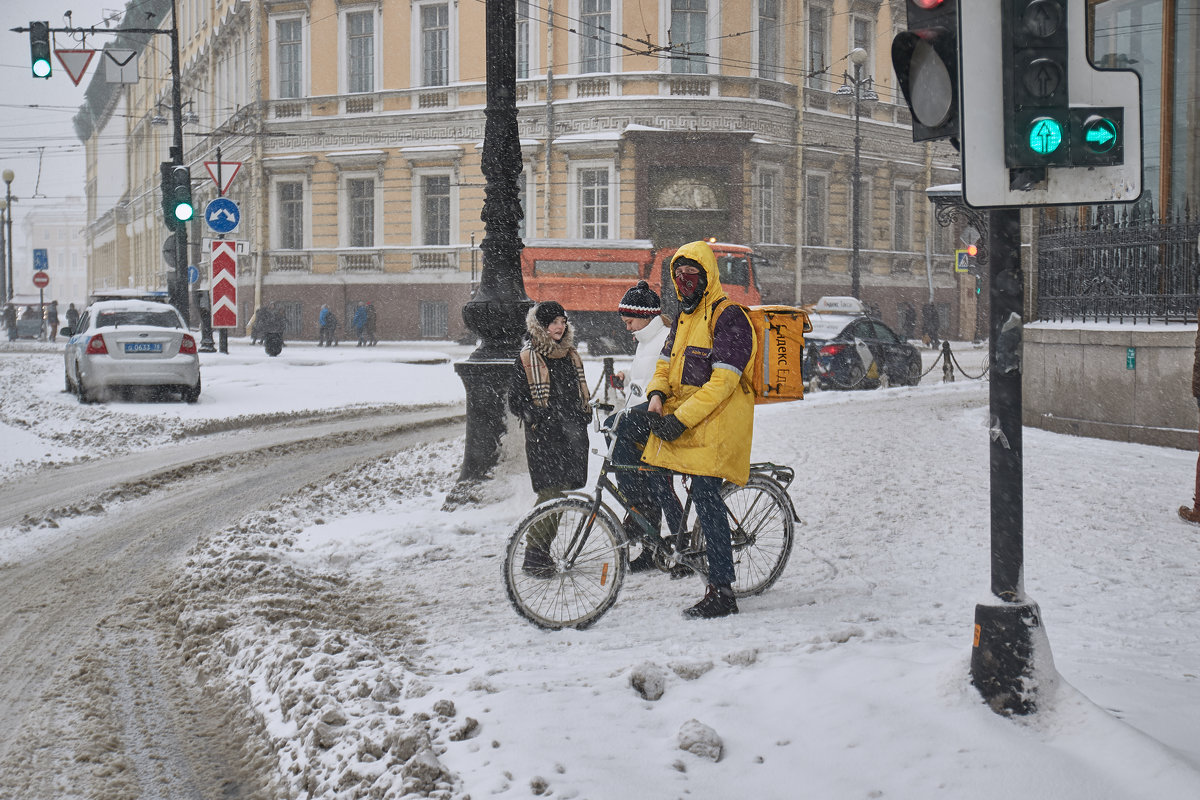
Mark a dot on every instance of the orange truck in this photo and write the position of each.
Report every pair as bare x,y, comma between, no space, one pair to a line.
590,277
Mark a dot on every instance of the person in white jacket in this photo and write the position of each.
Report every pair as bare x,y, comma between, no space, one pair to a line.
641,311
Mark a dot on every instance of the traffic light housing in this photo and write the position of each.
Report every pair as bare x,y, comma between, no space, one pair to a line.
925,58
39,49
1040,123
176,185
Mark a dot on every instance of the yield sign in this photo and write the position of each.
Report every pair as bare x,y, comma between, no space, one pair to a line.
75,62
224,284
226,169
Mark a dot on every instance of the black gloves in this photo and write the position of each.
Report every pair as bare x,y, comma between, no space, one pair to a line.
667,428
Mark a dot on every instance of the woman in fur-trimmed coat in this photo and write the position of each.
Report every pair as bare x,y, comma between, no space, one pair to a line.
549,394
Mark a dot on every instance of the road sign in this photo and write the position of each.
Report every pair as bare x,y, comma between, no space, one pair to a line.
193,274
224,284
41,259
41,280
168,251
962,261
75,62
222,215
227,169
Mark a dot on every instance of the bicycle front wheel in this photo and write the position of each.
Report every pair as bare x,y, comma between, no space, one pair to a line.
565,565
762,527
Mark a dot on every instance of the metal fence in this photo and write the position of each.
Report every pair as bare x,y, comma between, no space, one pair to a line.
1119,266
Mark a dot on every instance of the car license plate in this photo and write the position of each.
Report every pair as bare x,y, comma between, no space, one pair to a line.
143,347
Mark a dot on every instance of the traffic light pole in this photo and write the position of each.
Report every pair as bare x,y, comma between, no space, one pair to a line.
1008,632
177,277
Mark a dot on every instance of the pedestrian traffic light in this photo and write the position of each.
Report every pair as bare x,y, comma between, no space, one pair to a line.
925,58
39,49
978,284
176,184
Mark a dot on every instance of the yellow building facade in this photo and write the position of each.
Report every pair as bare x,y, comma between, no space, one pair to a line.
358,129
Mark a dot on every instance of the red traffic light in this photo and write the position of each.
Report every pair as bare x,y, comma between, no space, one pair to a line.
926,4
972,250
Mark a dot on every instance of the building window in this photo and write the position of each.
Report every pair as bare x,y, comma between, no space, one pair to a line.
862,38
360,52
435,319
818,47
595,22
689,36
435,210
768,39
435,44
767,207
291,215
289,53
523,30
593,202
902,216
360,205
816,203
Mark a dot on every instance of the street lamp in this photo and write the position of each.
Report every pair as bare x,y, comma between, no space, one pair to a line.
3,260
859,57
8,201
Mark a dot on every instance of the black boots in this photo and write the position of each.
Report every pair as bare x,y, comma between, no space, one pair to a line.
718,602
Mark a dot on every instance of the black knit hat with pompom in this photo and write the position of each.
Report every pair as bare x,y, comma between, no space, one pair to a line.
640,301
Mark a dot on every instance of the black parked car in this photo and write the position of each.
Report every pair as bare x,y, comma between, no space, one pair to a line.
847,351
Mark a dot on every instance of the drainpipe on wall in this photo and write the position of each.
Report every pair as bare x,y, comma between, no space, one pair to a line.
545,231
257,186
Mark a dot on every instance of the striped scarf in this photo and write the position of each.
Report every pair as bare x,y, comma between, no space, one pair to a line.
533,358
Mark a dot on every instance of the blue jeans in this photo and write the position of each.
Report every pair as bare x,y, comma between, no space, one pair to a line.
651,492
714,523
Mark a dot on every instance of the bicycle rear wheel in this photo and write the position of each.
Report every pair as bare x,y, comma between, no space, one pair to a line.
762,528
564,566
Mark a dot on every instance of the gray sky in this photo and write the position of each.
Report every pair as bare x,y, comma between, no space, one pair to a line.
36,132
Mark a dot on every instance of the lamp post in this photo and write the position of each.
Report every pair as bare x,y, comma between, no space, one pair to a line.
8,258
858,57
3,259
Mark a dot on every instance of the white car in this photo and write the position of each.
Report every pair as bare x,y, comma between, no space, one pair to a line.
126,343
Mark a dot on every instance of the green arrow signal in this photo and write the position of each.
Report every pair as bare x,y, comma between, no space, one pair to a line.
1045,135
1100,134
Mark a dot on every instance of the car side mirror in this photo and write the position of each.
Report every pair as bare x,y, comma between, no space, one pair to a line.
66,331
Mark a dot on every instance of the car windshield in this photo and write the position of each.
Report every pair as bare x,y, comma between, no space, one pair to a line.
157,319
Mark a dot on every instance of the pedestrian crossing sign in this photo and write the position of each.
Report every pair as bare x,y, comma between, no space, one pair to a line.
962,261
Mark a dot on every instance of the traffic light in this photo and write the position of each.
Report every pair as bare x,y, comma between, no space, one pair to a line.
1040,124
176,185
39,49
925,58
1036,102
978,284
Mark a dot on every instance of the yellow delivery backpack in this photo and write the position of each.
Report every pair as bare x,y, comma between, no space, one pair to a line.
776,374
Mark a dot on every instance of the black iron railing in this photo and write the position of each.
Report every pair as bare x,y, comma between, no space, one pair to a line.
1119,266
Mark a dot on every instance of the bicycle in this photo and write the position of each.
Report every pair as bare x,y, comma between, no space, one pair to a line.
588,548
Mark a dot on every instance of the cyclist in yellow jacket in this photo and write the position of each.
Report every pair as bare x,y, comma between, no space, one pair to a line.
704,419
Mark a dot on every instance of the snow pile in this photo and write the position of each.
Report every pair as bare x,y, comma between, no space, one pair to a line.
314,653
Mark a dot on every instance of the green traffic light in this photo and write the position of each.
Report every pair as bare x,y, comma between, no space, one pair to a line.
1045,135
184,212
41,68
1099,134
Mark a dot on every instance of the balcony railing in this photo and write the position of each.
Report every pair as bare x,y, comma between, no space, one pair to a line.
1119,266
291,262
360,262
439,259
